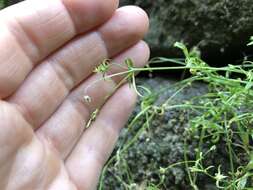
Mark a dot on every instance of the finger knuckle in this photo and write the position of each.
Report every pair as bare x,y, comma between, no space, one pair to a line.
14,129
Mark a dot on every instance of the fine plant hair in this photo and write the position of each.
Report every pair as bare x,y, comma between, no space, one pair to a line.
226,116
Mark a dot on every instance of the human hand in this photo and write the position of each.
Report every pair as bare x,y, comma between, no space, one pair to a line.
49,49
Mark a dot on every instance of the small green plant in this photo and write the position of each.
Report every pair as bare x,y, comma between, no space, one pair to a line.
226,118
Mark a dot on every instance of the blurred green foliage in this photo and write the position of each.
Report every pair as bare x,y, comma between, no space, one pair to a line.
3,3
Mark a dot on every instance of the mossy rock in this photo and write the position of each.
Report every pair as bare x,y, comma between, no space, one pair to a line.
162,144
216,26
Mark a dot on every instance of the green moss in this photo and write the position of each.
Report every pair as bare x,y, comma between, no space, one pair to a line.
2,4
212,24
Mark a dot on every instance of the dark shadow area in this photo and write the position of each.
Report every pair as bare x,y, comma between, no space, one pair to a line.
216,58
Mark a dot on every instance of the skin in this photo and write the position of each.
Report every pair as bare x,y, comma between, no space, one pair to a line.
49,50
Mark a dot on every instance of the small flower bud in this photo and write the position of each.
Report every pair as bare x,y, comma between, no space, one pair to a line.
87,99
162,170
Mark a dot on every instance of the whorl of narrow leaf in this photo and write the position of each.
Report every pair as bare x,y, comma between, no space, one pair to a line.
103,67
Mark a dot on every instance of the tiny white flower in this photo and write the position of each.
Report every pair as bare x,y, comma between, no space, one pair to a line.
87,99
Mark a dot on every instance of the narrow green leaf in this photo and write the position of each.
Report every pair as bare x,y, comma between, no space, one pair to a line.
183,48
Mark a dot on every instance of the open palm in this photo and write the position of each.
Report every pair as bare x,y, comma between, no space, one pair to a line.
48,51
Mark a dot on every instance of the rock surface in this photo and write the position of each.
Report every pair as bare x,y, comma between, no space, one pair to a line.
160,145
217,26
